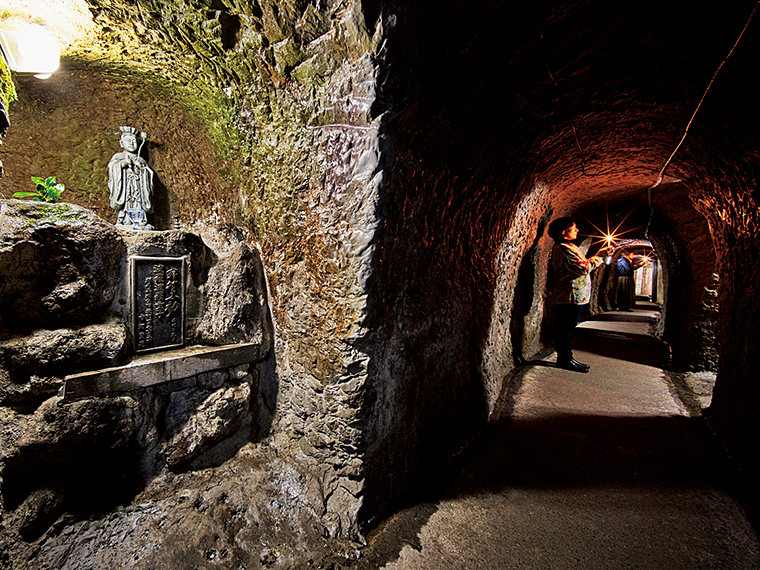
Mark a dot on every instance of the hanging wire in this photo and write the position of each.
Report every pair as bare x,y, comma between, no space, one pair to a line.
661,175
572,125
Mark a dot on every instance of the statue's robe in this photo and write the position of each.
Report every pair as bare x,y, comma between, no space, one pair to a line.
130,182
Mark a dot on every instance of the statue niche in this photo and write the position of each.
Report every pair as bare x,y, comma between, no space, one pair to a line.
130,182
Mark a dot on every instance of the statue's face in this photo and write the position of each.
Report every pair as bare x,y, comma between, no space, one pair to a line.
129,142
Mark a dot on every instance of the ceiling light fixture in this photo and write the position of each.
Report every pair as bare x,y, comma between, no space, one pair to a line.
34,50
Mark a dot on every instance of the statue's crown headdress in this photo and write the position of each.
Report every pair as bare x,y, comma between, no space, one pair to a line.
132,131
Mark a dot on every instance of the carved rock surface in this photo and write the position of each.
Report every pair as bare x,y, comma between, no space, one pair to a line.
59,265
38,512
31,367
48,352
24,396
199,425
247,513
85,447
236,302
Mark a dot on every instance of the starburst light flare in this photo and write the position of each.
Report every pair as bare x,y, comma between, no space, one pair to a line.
609,239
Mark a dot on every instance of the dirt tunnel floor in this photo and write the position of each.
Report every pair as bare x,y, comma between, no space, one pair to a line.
605,470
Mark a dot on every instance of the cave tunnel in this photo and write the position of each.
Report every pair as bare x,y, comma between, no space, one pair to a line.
510,120
397,167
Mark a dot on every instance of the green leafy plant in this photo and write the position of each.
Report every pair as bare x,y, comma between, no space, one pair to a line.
7,88
48,190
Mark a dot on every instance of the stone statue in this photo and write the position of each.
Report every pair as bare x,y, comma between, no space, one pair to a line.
130,182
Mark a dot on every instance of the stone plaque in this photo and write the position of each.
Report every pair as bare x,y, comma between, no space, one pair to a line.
157,292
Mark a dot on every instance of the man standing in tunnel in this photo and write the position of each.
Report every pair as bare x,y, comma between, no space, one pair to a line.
572,288
623,289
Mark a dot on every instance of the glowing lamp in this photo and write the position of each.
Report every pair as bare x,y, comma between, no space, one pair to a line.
34,50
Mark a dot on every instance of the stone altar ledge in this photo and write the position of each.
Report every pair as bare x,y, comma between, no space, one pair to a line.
159,368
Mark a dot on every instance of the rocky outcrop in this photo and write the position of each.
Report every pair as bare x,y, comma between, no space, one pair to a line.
247,513
58,265
31,367
84,451
235,304
59,273
198,420
64,457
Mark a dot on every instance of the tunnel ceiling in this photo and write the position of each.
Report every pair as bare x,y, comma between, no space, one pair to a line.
589,97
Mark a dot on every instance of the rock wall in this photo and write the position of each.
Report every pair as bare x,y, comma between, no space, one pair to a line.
450,201
730,207
690,317
278,134
518,308
313,195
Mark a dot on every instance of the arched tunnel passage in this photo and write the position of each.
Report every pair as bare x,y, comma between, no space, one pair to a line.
680,236
503,127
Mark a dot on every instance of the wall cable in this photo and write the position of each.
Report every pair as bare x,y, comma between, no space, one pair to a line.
661,175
